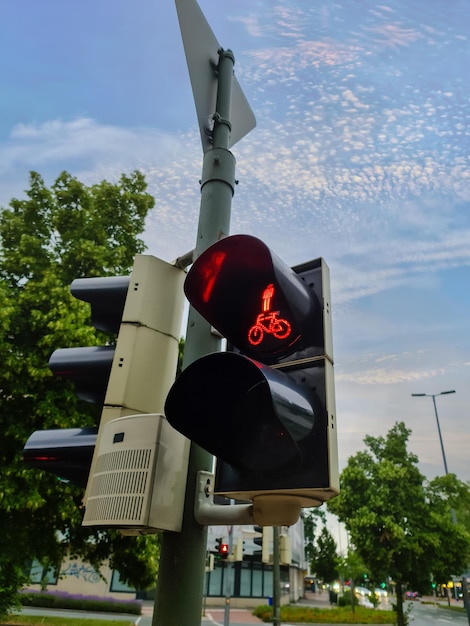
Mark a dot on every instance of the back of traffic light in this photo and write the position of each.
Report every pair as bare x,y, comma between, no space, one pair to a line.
127,379
273,395
264,538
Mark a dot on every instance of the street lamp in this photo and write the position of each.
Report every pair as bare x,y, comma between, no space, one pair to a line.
433,396
452,511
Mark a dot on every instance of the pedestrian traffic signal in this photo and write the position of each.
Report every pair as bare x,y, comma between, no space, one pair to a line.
129,377
272,395
221,549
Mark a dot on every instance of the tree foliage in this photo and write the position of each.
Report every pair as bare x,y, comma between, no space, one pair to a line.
47,239
400,525
325,559
311,518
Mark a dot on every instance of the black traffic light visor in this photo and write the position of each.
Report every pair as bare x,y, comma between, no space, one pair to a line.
65,452
243,412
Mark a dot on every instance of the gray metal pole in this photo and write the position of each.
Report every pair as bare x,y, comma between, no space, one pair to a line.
276,577
181,576
440,434
228,576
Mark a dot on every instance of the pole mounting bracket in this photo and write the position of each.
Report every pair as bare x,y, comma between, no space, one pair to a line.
207,513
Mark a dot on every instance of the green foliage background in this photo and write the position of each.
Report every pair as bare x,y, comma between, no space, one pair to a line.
48,239
399,523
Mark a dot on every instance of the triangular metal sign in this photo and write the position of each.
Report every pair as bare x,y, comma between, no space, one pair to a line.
201,50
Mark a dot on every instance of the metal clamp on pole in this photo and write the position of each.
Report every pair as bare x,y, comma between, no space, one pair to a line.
207,513
219,165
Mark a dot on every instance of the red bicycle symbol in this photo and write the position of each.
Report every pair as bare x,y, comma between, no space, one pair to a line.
271,324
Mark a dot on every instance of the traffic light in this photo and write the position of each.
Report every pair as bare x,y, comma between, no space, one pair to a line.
89,368
285,550
128,379
66,452
209,562
237,553
221,549
265,540
272,393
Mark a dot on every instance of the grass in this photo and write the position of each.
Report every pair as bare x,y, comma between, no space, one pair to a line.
456,609
45,620
446,607
341,615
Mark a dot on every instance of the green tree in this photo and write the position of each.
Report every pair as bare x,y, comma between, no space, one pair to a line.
351,567
53,236
399,525
325,559
311,518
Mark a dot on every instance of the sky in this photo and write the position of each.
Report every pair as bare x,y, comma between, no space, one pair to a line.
360,156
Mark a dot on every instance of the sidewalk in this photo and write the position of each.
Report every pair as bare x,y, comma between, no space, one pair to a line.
319,599
215,615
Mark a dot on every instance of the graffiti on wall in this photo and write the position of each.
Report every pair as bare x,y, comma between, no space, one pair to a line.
85,572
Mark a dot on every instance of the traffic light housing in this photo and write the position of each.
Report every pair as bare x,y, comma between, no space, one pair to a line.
128,379
66,452
265,540
89,368
272,395
221,549
237,552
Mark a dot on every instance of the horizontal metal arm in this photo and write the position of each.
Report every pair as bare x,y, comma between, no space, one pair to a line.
207,513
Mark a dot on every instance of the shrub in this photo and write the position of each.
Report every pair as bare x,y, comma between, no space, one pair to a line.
345,599
313,615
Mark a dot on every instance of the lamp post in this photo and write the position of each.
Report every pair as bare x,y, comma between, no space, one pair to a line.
433,396
452,512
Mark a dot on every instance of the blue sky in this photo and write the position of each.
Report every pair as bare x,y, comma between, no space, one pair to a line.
360,155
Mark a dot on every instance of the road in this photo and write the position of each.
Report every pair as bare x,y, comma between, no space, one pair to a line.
427,614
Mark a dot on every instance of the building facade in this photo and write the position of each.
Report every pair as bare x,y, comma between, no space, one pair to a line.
250,580
76,577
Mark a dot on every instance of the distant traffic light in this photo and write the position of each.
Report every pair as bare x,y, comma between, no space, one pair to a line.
273,395
221,549
224,550
265,540
237,553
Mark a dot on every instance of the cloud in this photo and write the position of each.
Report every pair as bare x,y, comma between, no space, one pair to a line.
36,145
343,212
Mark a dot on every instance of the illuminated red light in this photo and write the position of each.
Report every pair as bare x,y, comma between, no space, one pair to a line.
210,271
268,322
224,548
